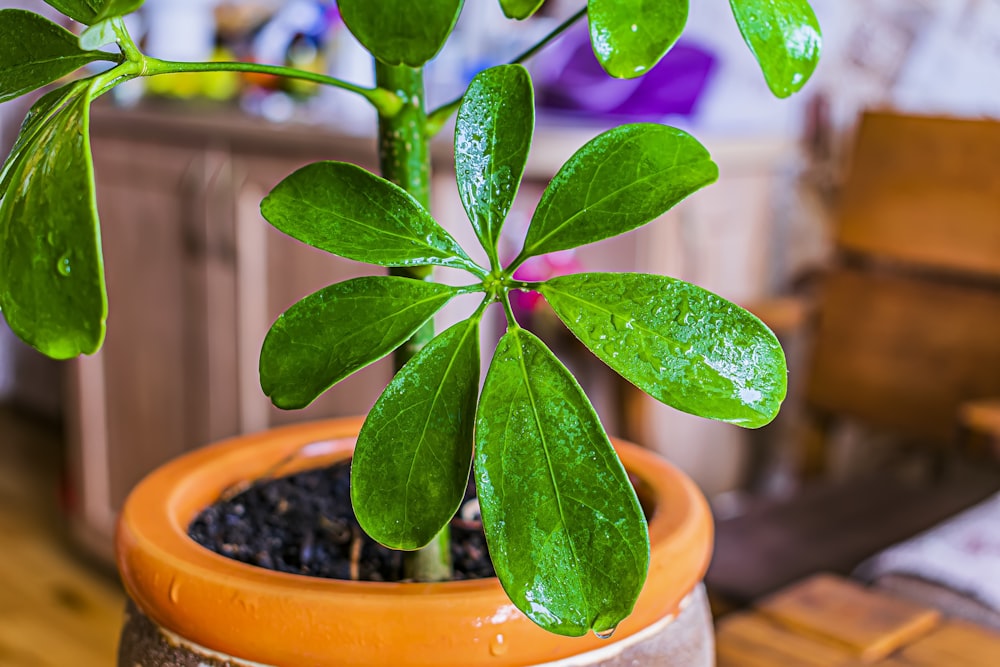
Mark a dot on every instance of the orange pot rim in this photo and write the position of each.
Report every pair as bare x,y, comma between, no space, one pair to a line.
276,618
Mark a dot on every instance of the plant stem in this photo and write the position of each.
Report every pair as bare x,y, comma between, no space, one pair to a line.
437,118
509,312
404,152
558,30
404,156
384,101
125,42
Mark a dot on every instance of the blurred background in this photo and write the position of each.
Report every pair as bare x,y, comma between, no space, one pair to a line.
860,219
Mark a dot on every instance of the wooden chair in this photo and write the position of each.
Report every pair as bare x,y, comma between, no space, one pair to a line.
907,333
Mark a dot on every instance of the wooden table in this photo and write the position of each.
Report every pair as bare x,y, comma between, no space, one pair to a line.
829,621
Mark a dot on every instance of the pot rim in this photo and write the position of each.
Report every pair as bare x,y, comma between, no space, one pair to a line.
280,618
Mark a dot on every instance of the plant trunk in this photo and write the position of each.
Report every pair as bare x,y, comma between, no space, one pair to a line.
404,157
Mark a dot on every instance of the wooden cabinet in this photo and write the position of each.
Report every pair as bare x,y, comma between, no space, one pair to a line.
195,277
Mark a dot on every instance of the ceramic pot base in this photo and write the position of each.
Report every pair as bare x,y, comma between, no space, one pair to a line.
682,641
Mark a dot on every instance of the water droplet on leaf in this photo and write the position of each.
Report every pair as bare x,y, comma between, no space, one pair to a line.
63,265
605,634
622,323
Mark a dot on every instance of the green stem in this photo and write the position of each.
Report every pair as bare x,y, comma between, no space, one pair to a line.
542,43
404,152
437,118
385,102
431,563
125,41
404,157
509,312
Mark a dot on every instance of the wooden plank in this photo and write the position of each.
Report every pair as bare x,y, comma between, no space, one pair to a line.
904,353
753,640
26,642
955,643
836,610
925,191
53,610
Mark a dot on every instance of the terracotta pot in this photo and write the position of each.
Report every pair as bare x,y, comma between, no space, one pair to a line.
194,607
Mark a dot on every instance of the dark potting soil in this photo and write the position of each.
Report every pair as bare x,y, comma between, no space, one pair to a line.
304,524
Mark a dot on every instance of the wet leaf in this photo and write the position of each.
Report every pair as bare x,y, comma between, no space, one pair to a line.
411,464
98,35
51,274
90,12
618,181
35,51
630,36
679,343
520,9
565,531
344,209
784,36
492,138
35,120
401,31
339,330
112,8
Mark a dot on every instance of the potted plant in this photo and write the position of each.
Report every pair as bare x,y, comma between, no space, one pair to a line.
567,533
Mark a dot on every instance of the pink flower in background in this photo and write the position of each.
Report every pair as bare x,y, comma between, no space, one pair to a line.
538,269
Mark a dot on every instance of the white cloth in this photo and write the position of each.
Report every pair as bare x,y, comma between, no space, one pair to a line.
962,554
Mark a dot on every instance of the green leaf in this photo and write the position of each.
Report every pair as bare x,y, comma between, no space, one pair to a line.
492,137
51,274
89,12
344,209
620,180
401,32
98,35
520,9
34,52
341,329
564,528
113,8
411,464
785,38
630,36
38,116
679,343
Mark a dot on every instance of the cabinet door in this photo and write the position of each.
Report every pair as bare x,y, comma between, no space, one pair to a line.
135,404
195,279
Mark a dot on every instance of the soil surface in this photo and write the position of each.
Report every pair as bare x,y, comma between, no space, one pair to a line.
304,524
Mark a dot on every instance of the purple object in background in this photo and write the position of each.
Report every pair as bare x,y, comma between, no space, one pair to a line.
577,84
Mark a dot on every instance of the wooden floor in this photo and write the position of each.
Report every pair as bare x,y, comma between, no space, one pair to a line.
829,621
55,610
